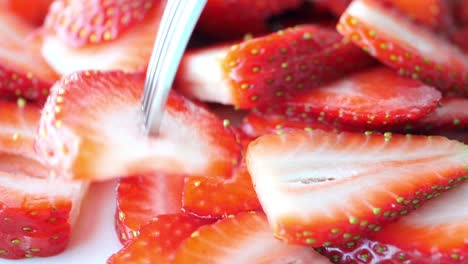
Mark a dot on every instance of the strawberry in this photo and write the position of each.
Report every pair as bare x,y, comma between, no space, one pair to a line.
127,50
36,212
435,14
141,198
267,69
243,238
337,7
82,22
460,38
100,113
22,70
236,18
370,98
396,42
434,234
323,188
33,12
461,12
159,240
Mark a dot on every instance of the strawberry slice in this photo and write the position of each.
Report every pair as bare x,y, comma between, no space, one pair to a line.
128,52
32,11
82,22
370,98
236,18
337,7
437,234
268,69
413,51
23,71
460,38
324,188
159,240
244,238
36,211
93,119
461,12
142,198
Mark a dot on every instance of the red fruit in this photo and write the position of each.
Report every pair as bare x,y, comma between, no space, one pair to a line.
337,7
323,188
36,211
434,234
267,69
460,38
94,119
435,14
244,238
32,11
228,19
370,98
142,198
159,240
452,113
461,12
412,50
220,196
128,51
23,72
82,22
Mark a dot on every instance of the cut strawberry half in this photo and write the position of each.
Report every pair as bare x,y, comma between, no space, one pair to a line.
237,18
79,23
128,52
372,98
142,198
23,71
244,238
267,69
324,188
93,119
36,211
159,240
32,11
411,50
434,234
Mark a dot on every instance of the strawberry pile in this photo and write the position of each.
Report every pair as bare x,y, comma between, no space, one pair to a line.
340,138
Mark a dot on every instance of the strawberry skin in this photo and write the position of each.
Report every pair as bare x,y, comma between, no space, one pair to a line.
372,98
23,71
159,240
237,18
437,233
36,213
243,238
310,184
32,11
79,22
395,41
337,7
267,69
141,198
100,113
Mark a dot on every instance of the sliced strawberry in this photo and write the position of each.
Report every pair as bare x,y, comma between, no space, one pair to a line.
461,12
460,38
220,196
435,14
324,188
231,19
22,70
142,198
36,212
32,11
94,119
129,52
267,69
435,234
337,7
370,98
159,240
412,50
82,22
244,238
258,124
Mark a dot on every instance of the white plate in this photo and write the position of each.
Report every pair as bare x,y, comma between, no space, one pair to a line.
94,238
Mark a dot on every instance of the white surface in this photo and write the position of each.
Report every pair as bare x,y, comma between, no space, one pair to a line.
94,238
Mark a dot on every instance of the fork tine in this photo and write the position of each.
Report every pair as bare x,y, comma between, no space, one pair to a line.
178,22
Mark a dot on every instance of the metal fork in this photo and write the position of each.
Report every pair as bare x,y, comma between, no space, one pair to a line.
176,26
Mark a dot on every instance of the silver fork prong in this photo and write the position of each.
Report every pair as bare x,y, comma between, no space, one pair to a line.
177,24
